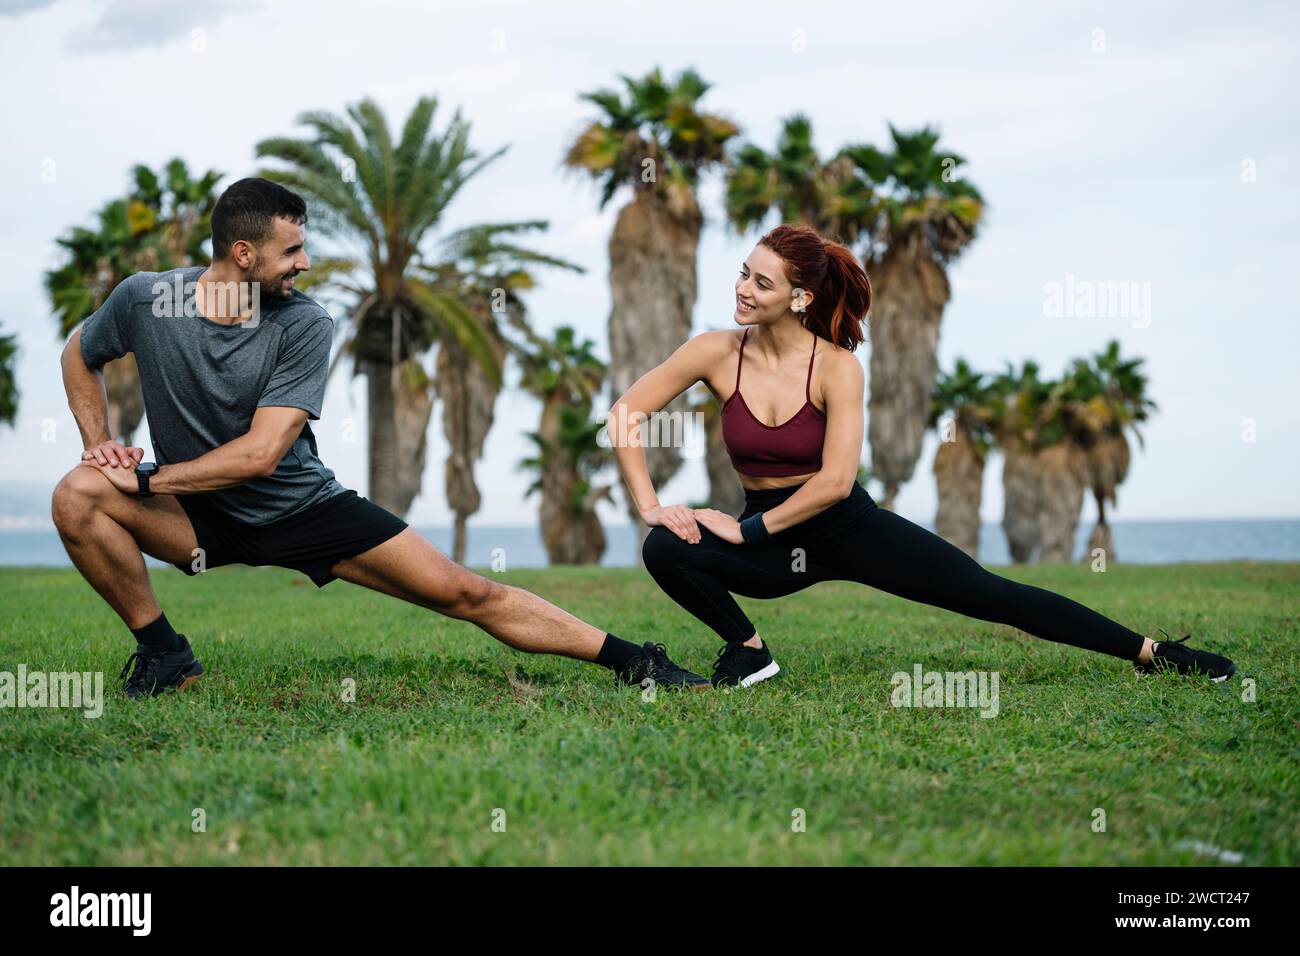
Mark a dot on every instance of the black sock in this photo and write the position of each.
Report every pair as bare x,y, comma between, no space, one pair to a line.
159,635
616,652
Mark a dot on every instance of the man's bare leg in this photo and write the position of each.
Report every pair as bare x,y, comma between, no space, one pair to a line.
408,566
105,533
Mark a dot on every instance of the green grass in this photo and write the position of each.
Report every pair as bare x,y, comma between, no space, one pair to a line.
448,726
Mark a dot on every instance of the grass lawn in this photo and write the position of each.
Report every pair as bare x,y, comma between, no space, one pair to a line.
451,731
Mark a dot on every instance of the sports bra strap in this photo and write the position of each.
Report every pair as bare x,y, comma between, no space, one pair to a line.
740,359
807,389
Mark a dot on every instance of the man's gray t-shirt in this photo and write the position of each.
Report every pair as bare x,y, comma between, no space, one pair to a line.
202,381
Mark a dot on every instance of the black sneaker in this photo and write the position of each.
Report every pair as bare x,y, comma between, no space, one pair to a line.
738,665
1175,655
156,671
653,663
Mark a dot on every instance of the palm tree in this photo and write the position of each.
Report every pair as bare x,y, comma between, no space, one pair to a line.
1066,418
658,142
792,179
161,224
8,379
379,200
1017,399
1120,403
490,271
927,216
959,462
566,376
179,208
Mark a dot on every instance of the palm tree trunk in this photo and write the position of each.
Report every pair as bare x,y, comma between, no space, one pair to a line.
413,408
460,538
468,399
384,466
959,476
1020,494
569,537
911,291
1108,464
1102,537
653,287
124,398
1063,478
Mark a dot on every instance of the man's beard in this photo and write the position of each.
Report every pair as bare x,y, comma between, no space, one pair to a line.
272,285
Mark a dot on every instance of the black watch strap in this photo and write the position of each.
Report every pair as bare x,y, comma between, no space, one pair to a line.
142,476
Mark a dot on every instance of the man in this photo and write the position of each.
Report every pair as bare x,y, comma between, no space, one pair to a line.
232,362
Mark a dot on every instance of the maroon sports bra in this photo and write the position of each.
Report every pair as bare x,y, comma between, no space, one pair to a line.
769,451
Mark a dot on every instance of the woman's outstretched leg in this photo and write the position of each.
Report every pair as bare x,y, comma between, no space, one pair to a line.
881,549
902,558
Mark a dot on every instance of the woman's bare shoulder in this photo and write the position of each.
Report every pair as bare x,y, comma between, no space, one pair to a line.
834,355
838,364
706,348
718,340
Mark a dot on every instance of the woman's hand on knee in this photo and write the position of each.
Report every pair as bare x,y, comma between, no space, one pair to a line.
724,526
678,519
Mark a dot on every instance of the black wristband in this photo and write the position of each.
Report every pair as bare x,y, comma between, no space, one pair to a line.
143,472
752,529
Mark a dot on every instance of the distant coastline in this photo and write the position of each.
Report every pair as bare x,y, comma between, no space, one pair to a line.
26,541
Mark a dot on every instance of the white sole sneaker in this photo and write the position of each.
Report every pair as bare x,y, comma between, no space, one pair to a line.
769,671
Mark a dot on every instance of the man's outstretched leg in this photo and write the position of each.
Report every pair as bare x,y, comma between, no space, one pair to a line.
408,566
105,532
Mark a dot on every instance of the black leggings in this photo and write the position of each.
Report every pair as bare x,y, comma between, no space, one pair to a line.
856,540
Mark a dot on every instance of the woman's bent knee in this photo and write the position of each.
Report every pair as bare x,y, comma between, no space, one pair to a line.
661,548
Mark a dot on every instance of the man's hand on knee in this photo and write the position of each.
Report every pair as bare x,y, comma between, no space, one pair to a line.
122,477
114,453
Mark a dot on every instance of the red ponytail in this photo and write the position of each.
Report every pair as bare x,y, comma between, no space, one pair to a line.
830,270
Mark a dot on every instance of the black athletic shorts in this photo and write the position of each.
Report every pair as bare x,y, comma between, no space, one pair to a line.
311,541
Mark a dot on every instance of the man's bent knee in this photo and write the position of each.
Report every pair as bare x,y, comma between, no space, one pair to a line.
76,497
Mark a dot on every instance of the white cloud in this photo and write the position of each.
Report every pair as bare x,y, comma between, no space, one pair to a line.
16,8
133,24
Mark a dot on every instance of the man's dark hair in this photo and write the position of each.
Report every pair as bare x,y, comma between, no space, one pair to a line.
248,209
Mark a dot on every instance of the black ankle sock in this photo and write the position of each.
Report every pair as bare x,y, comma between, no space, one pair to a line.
159,635
616,652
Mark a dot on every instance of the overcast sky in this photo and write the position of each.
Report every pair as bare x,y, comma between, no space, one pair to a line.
1153,146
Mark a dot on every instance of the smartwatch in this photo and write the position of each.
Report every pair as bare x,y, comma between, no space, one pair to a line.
143,472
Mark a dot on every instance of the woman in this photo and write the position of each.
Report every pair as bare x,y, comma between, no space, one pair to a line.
801,301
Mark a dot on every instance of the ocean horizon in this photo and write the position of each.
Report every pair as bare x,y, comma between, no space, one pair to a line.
1136,542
